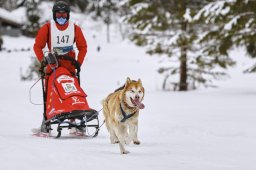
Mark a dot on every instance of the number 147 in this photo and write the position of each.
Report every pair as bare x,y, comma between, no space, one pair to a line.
63,39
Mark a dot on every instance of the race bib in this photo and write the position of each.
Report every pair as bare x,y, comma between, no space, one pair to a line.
62,41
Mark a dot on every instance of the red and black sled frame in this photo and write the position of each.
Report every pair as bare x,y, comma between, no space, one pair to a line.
85,121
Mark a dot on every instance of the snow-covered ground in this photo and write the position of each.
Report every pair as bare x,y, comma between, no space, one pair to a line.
206,129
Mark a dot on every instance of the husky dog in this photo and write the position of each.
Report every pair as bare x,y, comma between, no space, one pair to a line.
121,111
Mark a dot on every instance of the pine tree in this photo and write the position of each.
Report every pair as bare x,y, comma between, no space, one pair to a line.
105,10
81,4
8,4
33,15
32,71
166,27
234,25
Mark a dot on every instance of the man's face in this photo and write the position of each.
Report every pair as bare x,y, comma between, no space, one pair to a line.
61,15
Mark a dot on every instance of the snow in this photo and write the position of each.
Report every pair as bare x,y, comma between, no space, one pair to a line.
45,11
209,129
187,15
232,22
213,9
16,16
138,7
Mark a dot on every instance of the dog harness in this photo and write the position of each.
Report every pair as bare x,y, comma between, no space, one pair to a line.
126,116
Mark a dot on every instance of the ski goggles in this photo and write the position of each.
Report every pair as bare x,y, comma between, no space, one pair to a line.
61,14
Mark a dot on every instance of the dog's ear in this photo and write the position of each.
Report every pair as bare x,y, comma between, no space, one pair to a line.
139,81
128,81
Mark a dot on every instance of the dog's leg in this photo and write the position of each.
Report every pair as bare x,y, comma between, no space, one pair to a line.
133,130
120,132
109,123
113,137
128,137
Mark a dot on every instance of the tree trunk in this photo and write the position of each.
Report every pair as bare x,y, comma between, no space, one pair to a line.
121,31
107,21
108,36
183,50
183,70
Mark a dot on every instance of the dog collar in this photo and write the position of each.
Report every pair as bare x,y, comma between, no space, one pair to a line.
126,116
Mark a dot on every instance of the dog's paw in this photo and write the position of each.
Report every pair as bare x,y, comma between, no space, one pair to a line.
136,142
125,152
114,141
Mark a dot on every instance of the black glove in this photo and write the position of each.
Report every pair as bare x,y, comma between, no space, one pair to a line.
51,58
77,64
43,62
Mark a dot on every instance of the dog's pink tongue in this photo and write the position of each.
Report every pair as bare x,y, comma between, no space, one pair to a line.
139,104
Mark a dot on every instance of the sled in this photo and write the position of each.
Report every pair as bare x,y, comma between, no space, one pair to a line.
65,104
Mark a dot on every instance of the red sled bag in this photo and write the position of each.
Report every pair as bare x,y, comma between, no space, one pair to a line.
64,94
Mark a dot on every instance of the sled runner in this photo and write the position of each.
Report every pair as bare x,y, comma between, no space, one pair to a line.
65,103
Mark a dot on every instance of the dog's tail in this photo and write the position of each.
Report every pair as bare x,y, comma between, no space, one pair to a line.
106,112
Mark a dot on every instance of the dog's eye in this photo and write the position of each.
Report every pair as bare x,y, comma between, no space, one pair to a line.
132,91
140,91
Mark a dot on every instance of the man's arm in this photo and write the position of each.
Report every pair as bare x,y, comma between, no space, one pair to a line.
40,41
81,44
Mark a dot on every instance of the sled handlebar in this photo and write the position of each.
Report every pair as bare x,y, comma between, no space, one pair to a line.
54,58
